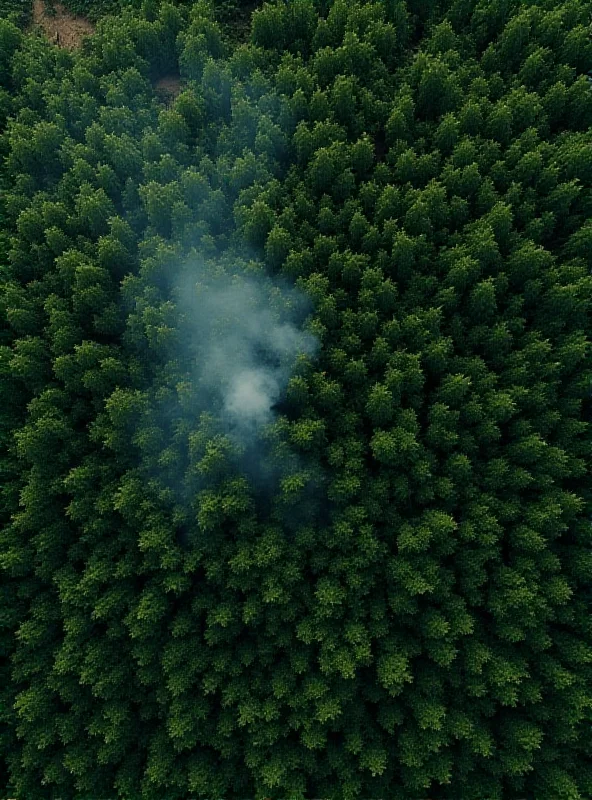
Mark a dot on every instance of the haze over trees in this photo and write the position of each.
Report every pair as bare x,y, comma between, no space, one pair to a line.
384,589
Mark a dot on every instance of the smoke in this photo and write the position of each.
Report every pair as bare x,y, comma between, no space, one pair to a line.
242,336
246,353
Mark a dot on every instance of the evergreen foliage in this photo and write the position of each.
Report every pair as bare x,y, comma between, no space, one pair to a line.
407,614
18,11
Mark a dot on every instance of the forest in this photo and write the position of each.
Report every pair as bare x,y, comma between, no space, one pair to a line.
295,400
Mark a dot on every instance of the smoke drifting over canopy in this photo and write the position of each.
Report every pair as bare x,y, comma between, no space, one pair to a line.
244,334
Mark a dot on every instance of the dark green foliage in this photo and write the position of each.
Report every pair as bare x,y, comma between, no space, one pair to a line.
233,15
19,11
95,9
407,614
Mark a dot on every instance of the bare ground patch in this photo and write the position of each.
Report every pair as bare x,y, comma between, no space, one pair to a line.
62,27
167,88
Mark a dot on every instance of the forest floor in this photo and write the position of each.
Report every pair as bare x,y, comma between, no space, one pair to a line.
168,87
59,25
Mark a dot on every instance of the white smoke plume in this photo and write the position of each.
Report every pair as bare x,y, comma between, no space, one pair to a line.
245,334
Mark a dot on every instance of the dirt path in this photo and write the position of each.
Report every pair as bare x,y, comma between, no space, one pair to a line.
62,28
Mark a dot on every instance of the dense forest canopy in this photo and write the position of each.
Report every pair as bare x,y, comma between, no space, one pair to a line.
369,574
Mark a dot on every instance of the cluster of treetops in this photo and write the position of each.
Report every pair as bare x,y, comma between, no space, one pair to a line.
419,625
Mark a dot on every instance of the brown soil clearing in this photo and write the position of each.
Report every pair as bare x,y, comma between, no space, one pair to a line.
63,28
168,87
